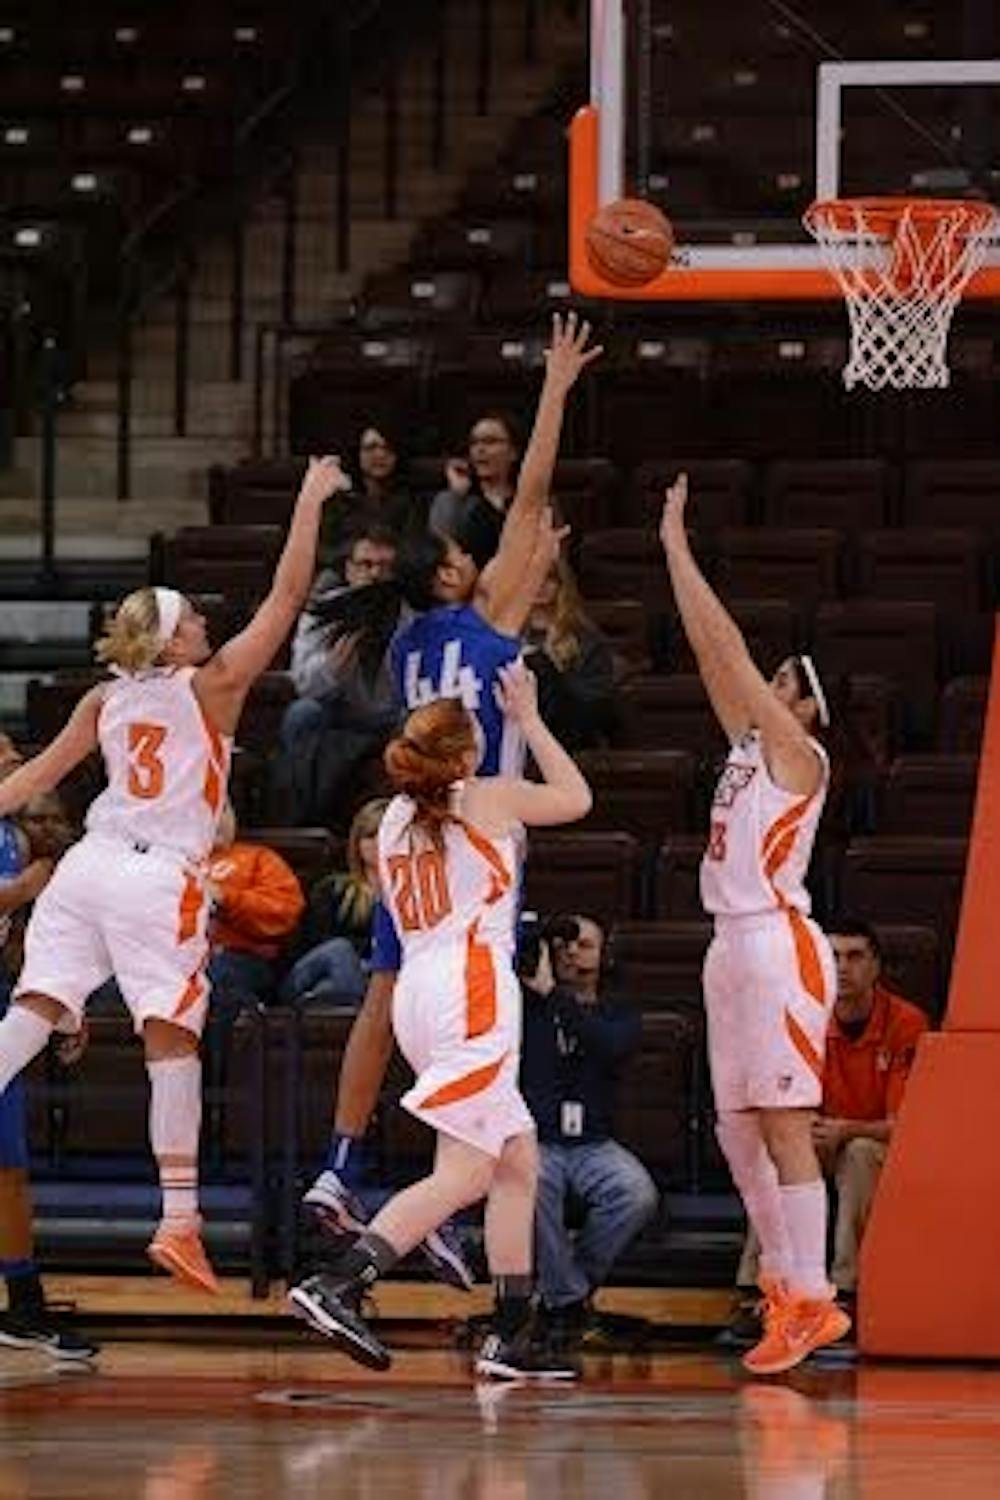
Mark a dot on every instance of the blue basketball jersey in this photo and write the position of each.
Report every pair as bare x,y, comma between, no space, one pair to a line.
451,652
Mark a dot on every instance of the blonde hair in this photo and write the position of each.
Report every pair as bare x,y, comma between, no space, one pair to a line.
567,619
132,639
358,898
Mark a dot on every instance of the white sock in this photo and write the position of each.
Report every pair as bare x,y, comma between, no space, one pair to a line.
804,1205
23,1034
756,1180
174,1128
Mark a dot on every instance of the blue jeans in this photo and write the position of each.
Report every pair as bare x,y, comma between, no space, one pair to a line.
618,1197
13,1105
330,971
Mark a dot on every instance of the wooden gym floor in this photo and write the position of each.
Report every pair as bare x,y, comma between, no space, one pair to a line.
202,1410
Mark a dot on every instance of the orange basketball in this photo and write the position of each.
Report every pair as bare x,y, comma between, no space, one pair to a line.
629,242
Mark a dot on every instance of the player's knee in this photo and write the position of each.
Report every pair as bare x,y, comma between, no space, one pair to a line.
163,1040
862,1151
50,1010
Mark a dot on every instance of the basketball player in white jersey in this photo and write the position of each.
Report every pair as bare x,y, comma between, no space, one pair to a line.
449,852
769,978
129,899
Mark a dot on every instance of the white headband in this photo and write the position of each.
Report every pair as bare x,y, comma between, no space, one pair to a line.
169,604
816,690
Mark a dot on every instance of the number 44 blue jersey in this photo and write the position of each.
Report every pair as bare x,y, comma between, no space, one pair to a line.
452,652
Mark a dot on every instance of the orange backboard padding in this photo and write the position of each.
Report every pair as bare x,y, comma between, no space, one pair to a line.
974,995
680,283
929,1285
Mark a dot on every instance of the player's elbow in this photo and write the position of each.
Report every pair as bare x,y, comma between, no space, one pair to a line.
579,802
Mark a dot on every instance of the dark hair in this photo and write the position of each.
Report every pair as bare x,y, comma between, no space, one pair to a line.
477,531
510,424
427,759
369,528
851,926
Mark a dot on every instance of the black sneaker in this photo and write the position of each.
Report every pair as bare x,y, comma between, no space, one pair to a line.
333,1308
746,1325
525,1356
41,1328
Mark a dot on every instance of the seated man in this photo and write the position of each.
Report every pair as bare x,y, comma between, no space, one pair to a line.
870,1048
574,1043
256,905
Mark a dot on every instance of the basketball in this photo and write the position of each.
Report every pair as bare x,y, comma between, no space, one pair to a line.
629,242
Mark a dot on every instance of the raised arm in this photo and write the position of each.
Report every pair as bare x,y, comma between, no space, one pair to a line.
563,795
43,772
502,597
223,682
741,697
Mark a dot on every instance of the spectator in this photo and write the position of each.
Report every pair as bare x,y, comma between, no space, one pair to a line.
574,1044
256,905
337,932
870,1048
484,482
347,700
573,662
25,869
382,494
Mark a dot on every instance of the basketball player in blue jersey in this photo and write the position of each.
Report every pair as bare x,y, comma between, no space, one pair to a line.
453,650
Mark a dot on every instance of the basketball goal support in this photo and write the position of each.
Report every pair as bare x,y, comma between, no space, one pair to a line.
929,1281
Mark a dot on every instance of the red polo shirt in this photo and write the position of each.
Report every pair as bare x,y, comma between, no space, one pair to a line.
865,1079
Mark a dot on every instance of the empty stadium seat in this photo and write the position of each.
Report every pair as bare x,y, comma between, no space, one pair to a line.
625,625
953,492
309,851
962,710
847,494
894,638
670,711
912,879
624,564
594,873
911,964
654,962
676,891
229,560
943,566
801,564
934,793
647,793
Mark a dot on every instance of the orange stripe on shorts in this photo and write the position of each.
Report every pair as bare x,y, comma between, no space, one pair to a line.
465,1087
803,1045
192,900
807,955
193,992
480,987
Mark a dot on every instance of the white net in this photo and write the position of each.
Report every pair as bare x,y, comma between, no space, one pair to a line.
902,265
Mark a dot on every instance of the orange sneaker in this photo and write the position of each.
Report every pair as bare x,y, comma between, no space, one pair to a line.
794,1327
179,1251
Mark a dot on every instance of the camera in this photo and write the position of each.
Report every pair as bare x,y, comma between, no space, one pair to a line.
533,931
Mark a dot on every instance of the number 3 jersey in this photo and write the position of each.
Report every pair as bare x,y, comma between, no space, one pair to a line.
452,652
463,894
761,837
167,765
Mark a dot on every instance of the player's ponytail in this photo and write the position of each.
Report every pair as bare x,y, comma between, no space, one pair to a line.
428,758
133,639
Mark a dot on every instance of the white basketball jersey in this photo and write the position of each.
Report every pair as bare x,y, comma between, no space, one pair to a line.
467,889
761,837
167,765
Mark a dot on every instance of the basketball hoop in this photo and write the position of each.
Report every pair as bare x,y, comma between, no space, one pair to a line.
902,264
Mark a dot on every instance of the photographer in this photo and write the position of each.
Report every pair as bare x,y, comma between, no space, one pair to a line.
574,1044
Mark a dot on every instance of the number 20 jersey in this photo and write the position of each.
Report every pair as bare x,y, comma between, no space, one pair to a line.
452,652
167,765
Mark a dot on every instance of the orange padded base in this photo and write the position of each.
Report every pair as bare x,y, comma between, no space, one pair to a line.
930,1285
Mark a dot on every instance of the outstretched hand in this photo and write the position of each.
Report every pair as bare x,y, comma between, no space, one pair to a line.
325,477
672,521
518,693
567,354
